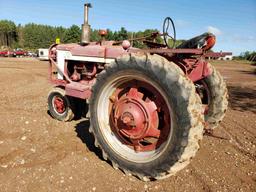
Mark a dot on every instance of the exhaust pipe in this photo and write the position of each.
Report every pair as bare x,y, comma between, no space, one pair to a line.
86,28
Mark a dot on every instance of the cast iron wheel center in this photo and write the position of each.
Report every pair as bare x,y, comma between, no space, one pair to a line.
131,118
135,118
59,104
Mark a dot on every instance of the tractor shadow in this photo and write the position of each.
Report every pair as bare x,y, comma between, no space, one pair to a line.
252,72
80,108
82,130
242,98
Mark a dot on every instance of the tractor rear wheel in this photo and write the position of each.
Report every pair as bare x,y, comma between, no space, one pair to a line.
145,116
214,94
59,105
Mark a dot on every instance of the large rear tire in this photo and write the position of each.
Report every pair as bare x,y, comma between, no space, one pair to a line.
214,95
145,116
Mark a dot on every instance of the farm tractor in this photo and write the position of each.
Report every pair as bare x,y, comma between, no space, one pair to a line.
148,108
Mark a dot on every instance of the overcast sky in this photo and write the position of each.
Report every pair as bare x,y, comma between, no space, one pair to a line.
234,22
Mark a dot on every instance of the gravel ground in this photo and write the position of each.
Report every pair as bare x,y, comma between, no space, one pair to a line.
38,153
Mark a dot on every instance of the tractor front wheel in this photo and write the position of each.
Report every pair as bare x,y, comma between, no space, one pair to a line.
214,95
59,105
145,116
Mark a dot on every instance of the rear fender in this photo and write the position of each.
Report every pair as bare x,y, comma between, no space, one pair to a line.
200,70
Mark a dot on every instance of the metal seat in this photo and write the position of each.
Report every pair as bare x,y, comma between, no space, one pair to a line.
205,41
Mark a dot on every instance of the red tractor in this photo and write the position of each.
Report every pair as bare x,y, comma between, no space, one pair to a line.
148,108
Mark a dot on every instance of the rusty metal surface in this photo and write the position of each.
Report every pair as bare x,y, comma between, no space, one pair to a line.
86,28
108,50
174,51
78,90
201,70
85,36
89,51
95,50
114,51
59,104
67,47
135,115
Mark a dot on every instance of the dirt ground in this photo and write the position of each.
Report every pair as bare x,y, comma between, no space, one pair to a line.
38,153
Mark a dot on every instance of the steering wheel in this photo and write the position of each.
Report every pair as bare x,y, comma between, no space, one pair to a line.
166,26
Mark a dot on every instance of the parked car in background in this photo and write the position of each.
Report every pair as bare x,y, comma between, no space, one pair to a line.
15,53
31,54
19,53
6,53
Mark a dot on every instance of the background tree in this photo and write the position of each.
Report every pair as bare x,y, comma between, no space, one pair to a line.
20,33
73,34
95,35
122,34
60,32
8,33
247,55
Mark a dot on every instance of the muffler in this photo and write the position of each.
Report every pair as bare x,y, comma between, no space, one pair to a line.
86,28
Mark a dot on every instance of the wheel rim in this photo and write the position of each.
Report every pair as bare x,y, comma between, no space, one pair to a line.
59,105
135,117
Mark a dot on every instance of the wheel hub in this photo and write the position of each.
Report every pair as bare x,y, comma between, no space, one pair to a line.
135,119
131,118
59,104
128,119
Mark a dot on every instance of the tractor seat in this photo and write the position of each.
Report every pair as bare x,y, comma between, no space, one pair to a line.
205,41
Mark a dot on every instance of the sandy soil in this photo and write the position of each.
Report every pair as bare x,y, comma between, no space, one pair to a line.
38,153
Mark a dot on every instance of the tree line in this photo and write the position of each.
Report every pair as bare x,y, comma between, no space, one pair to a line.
8,33
33,36
247,55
